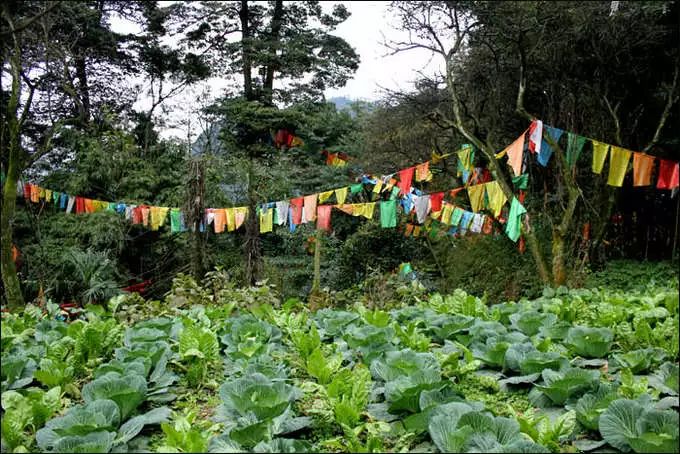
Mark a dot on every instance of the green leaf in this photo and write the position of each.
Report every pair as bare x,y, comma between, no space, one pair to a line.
128,392
590,342
618,423
133,426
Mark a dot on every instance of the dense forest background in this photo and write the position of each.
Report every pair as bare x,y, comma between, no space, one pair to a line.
606,70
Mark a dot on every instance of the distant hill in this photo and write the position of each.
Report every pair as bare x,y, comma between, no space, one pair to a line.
341,102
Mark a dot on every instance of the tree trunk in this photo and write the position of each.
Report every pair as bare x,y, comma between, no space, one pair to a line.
196,211
277,20
81,74
532,240
14,162
9,272
245,49
251,247
316,283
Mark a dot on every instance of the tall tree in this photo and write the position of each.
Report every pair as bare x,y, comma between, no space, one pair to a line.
501,59
285,53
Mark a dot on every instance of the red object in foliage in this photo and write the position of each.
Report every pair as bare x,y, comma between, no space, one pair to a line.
139,288
586,231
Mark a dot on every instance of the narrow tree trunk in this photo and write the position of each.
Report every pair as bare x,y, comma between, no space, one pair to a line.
196,212
251,247
532,240
316,283
277,20
81,74
245,49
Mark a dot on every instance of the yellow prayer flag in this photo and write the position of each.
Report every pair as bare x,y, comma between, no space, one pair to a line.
378,187
447,211
618,164
231,219
599,155
476,194
496,197
323,196
156,215
364,209
266,220
341,195
240,214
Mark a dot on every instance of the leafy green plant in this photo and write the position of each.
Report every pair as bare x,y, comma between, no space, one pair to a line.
24,413
406,374
631,425
531,322
411,336
666,379
572,382
545,432
466,430
199,350
256,409
348,393
246,337
17,371
590,342
186,433
591,405
94,427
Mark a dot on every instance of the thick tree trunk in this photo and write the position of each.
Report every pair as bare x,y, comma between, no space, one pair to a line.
14,162
10,279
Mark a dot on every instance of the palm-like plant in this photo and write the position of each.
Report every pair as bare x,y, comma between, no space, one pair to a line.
92,275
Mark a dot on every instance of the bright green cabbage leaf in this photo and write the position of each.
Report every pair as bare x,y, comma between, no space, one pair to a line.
589,342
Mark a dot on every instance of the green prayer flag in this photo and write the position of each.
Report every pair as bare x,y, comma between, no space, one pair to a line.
521,181
575,144
388,213
456,216
512,228
356,188
175,220
395,193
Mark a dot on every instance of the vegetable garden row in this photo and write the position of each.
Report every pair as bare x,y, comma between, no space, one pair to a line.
576,370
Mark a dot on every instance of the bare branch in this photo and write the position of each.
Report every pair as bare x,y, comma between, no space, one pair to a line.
671,99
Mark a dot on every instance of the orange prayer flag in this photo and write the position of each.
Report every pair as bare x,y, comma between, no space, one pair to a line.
642,169
515,153
346,208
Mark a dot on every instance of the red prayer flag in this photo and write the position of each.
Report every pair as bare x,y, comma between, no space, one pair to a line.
80,205
669,175
405,178
323,217
436,201
296,206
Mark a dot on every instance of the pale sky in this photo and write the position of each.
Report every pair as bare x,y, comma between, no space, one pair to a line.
369,24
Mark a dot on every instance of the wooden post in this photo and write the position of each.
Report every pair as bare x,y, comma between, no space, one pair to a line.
316,283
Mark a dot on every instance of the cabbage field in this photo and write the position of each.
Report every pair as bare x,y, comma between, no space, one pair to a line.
238,371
